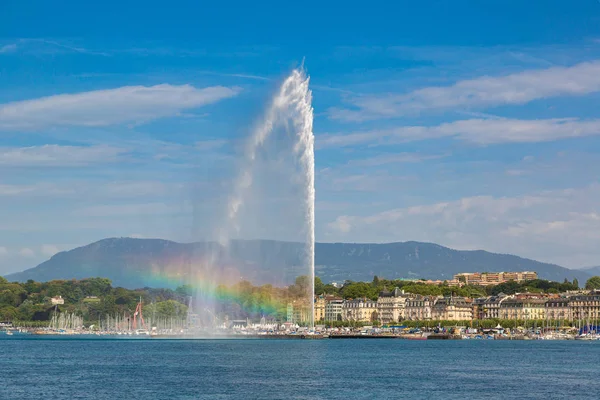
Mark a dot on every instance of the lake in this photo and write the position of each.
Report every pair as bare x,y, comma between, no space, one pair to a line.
75,368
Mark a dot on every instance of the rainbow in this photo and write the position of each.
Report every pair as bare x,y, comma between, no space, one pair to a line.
217,288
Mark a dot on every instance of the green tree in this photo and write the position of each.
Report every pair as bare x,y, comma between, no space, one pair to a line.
375,282
355,290
576,283
330,289
593,283
319,286
8,313
26,310
166,309
184,291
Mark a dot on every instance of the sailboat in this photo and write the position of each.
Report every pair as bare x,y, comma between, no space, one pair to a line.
138,311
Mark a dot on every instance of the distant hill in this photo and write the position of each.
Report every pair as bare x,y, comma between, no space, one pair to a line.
137,263
594,271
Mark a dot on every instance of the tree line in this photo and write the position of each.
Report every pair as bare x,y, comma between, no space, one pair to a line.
371,290
95,298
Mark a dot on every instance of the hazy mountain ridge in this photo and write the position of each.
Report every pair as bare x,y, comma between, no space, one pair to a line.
137,262
591,270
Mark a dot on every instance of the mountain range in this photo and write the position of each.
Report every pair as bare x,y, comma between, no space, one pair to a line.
591,270
135,263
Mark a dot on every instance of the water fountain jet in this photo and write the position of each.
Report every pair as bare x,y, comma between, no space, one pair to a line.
290,108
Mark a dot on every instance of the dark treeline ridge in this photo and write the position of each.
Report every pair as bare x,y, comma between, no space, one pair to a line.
91,298
95,298
371,290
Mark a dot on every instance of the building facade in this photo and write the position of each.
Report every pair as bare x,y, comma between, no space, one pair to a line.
452,309
333,309
494,278
418,308
558,309
319,308
524,307
391,306
488,307
360,310
585,307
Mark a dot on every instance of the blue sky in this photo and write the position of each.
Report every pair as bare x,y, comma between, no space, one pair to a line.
469,124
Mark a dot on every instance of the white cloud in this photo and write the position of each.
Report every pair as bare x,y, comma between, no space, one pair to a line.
515,172
341,180
121,189
136,104
517,88
49,250
561,226
393,158
119,210
479,131
3,251
15,190
8,48
26,252
210,144
59,156
93,189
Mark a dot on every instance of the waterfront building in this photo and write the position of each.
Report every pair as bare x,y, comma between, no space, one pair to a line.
360,310
319,308
558,309
301,311
449,282
479,308
523,307
57,300
452,309
494,278
333,308
418,308
511,308
488,307
391,306
585,307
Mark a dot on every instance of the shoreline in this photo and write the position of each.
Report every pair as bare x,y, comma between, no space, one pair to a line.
441,336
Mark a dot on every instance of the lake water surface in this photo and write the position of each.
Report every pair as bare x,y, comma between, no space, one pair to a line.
66,368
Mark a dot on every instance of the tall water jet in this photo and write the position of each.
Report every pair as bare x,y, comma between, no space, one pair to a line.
290,110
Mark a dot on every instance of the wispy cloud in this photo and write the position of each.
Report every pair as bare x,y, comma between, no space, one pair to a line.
119,210
210,144
341,180
41,46
137,104
59,156
68,47
480,131
517,88
27,252
80,189
49,250
8,48
15,190
237,75
383,159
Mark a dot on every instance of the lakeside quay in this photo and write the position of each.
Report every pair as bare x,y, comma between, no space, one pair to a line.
450,333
